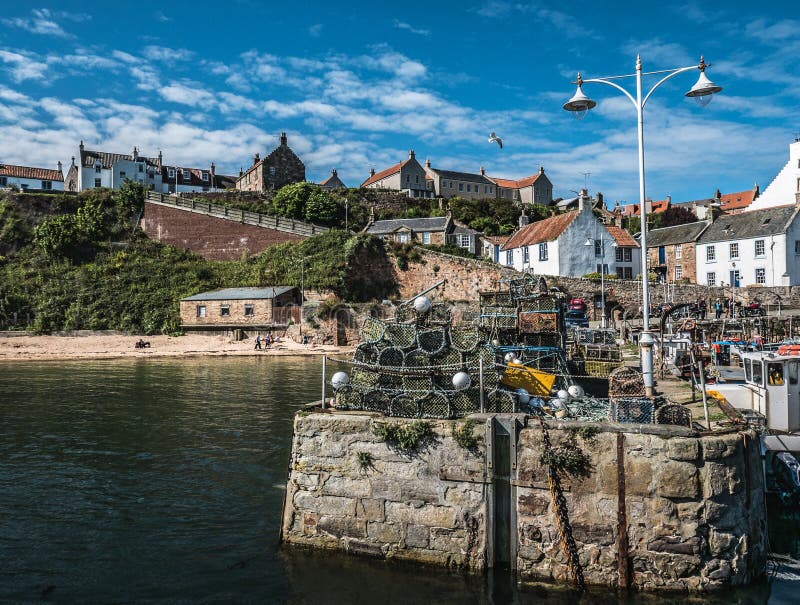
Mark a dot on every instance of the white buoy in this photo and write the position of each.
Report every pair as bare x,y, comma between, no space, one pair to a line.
575,391
563,396
422,304
509,357
339,380
523,396
496,342
461,381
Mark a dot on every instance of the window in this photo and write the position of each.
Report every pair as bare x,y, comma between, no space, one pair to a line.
627,272
186,175
486,188
734,249
201,310
141,167
602,268
678,251
509,257
171,173
98,168
272,171
249,311
627,255
711,254
3,181
461,186
748,370
408,178
526,256
205,176
469,187
619,273
711,278
678,272
757,377
759,247
797,246
416,179
403,238
98,183
761,276
465,241
775,374
225,310
47,185
618,255
598,247
792,367
543,251
426,237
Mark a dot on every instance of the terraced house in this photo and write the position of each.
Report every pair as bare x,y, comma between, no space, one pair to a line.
27,178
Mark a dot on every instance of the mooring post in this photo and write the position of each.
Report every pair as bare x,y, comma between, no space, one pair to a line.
703,391
324,368
623,563
480,385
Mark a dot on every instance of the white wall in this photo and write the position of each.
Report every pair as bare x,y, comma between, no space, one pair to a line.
20,183
773,261
785,186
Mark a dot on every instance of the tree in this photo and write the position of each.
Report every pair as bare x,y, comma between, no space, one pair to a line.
131,196
321,208
291,200
677,215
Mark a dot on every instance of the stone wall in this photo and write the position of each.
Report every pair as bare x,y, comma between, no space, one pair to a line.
693,506
212,238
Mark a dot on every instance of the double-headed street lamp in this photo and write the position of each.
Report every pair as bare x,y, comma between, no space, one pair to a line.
579,104
602,249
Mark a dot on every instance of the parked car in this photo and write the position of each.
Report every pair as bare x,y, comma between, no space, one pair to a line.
577,304
576,319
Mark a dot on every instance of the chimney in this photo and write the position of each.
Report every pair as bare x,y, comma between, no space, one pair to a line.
135,154
428,163
482,171
283,138
541,169
241,172
333,172
717,195
523,219
213,170
73,160
600,201
372,172
669,200
411,155
582,197
256,158
60,167
756,191
81,145
160,158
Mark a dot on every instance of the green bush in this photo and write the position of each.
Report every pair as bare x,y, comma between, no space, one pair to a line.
408,437
464,434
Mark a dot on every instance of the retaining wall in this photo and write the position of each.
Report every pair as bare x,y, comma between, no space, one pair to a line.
663,508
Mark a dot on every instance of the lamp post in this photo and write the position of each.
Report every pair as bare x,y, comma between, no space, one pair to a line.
579,104
591,242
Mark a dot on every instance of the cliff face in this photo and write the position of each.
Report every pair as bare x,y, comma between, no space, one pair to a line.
688,513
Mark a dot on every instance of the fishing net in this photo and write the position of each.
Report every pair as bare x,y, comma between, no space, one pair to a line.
348,398
401,336
372,330
500,401
391,357
366,353
674,413
376,401
464,339
540,302
638,410
601,353
440,315
390,381
417,387
625,381
403,313
363,379
600,369
432,341
448,360
463,403
589,409
495,299
404,406
524,286
435,405
496,317
416,359
531,322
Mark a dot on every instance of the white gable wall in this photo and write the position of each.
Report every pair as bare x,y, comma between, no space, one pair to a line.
785,187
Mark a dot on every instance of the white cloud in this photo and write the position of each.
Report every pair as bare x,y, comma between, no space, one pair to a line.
187,94
24,66
40,21
163,53
161,17
315,30
410,28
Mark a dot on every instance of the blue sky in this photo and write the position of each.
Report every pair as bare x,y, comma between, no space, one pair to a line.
358,84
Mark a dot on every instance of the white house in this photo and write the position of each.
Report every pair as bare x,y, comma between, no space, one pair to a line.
785,187
96,169
758,247
28,178
572,244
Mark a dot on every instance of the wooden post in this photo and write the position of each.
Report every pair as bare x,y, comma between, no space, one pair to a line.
480,386
324,369
703,391
623,563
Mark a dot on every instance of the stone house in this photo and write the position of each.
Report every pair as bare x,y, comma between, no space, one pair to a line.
333,181
534,189
785,187
466,185
407,176
281,167
27,178
671,251
255,308
438,231
189,180
572,244
754,248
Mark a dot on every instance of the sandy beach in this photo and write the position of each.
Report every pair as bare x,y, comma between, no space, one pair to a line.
95,346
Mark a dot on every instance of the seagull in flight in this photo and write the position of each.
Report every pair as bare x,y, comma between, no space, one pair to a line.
493,138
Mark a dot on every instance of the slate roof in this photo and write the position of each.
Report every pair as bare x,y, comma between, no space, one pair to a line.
241,293
541,231
28,172
88,158
622,237
677,234
437,223
333,181
463,176
755,223
196,178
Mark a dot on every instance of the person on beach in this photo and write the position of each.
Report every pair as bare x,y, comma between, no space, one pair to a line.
258,342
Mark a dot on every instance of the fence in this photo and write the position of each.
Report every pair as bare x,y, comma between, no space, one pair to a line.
235,214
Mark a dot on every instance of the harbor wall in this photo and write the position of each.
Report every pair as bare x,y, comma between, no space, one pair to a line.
661,508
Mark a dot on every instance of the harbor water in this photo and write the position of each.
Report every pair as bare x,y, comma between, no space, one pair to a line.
162,481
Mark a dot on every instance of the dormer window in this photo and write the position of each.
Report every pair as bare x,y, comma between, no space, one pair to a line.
98,167
171,173
187,176
205,176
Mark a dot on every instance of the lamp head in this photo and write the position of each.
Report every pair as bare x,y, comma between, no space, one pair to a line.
589,242
703,89
579,104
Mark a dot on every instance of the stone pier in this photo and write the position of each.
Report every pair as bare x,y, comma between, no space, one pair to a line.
660,508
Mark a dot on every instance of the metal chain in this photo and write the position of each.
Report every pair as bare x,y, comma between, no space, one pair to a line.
562,515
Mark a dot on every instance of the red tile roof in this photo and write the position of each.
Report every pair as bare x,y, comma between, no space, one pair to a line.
518,184
657,207
497,239
736,201
541,231
622,237
383,174
27,172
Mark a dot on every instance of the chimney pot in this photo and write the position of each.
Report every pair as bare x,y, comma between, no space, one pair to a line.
541,169
73,160
256,158
283,138
482,171
81,145
428,163
411,155
372,172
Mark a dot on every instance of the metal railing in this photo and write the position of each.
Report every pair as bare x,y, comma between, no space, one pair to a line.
267,221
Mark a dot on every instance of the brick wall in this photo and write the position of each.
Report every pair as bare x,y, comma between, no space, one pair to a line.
212,238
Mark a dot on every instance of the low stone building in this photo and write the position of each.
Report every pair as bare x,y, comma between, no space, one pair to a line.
281,167
333,181
671,251
232,308
437,231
